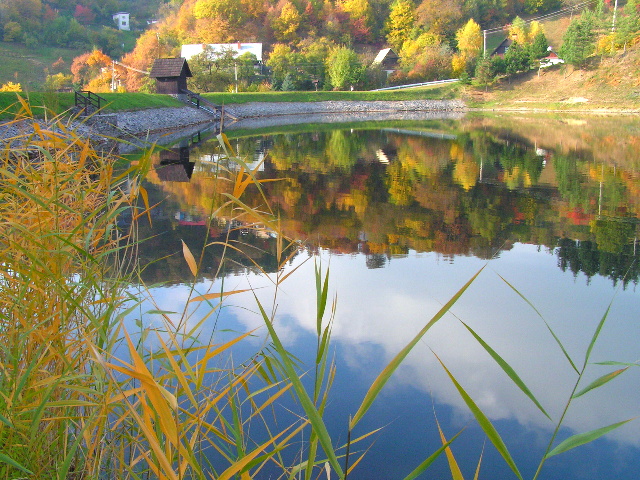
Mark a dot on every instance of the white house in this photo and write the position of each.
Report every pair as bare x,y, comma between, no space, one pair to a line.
550,60
122,20
239,48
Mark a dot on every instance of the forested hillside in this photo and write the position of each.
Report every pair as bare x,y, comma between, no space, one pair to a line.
318,44
71,23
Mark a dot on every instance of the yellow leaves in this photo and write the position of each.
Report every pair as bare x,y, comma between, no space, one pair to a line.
11,87
469,39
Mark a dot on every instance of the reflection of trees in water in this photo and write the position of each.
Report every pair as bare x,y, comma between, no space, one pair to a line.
384,193
585,256
161,260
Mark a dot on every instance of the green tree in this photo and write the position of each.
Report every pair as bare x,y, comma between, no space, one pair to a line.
484,74
344,68
578,42
539,47
516,59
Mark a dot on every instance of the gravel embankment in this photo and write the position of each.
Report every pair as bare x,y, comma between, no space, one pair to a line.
165,121
252,110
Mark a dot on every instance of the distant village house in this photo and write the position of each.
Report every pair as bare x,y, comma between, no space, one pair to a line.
122,20
238,48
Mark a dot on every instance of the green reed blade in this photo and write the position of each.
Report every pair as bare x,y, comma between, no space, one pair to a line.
598,382
391,367
555,337
619,364
10,461
429,460
315,418
484,423
583,438
507,369
596,334
6,421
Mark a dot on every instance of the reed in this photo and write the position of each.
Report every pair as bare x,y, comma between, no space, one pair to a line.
82,397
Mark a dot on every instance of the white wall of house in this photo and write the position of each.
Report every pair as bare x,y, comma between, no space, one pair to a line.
122,20
239,48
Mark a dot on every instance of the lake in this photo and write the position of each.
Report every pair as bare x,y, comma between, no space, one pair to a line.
403,214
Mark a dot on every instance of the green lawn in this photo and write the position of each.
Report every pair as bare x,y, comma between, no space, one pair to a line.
28,67
61,102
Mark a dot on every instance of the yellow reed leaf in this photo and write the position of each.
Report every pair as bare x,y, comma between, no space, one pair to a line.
213,296
191,261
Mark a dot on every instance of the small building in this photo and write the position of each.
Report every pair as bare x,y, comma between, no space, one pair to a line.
171,75
550,60
501,49
238,49
122,20
388,59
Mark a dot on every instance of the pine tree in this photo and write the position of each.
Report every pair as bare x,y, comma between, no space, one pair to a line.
578,41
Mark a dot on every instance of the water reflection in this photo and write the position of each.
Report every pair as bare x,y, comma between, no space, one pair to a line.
387,191
404,215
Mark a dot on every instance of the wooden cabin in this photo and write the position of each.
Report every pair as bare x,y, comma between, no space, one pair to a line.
171,75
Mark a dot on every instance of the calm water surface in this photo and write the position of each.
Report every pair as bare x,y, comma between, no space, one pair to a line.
404,214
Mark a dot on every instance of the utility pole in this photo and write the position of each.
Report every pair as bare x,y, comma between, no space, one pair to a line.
484,44
235,73
615,10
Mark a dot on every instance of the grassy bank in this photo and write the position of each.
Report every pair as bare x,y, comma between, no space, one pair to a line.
61,102
607,84
115,102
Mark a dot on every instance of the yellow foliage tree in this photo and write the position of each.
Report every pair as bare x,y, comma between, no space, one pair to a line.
469,39
11,87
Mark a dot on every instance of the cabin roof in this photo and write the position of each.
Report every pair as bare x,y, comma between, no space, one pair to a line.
385,54
170,67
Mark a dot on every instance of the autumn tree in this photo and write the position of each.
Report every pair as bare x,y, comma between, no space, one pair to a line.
89,66
439,16
84,14
231,11
401,22
11,87
469,40
361,17
285,26
344,68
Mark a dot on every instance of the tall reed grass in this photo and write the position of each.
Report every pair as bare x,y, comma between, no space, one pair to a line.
82,397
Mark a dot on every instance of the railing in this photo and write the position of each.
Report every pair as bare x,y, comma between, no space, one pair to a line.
413,85
88,102
196,100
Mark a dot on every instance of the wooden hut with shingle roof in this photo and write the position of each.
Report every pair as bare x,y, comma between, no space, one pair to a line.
170,74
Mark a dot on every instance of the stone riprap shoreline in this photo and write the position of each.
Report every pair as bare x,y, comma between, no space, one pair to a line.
163,123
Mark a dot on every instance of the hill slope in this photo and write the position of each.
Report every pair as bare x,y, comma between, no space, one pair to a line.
610,84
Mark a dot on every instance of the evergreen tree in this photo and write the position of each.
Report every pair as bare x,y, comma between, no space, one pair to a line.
539,47
578,41
516,59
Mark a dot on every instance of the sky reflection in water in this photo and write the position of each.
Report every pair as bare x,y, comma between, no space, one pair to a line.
381,309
